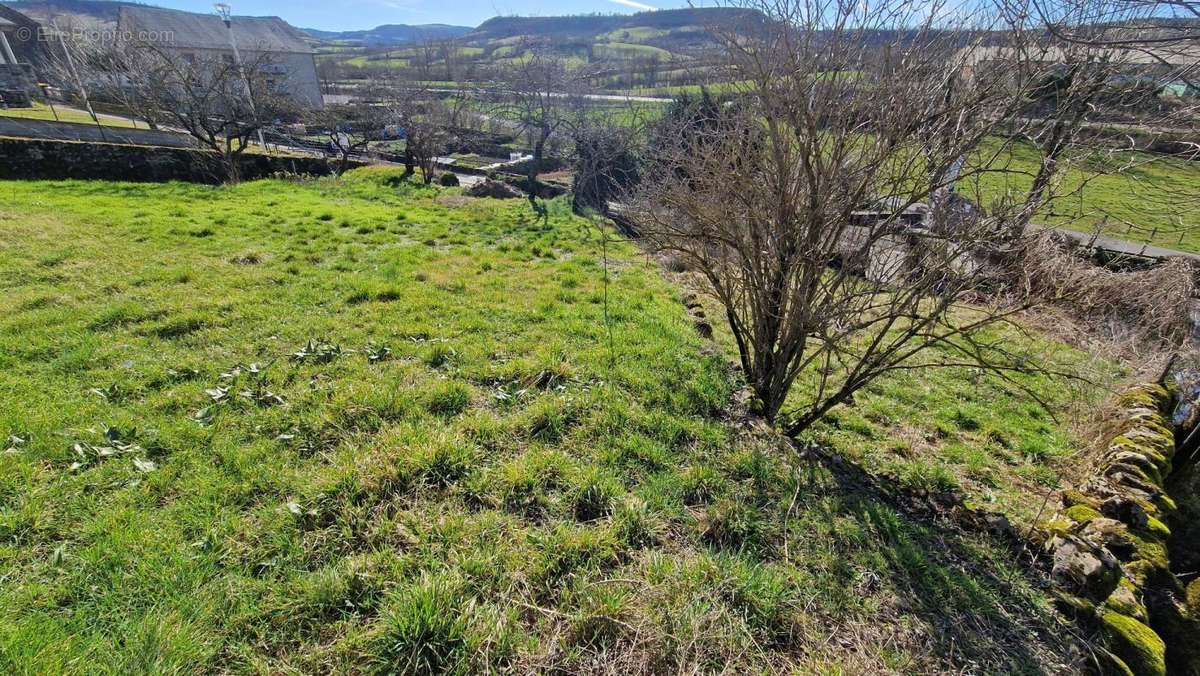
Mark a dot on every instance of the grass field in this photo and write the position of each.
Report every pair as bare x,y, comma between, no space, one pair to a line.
625,50
359,425
1135,196
41,111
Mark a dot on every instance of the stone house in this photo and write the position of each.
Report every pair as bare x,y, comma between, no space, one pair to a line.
20,55
291,67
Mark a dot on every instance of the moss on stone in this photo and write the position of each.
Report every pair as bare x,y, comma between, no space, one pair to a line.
1132,470
1071,498
1082,513
1193,598
1146,574
1165,503
1114,665
1157,528
1127,601
1057,525
1142,460
1150,395
1136,644
1147,429
1150,548
1075,606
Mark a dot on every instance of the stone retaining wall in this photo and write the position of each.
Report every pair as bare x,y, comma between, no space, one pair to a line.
1110,546
26,159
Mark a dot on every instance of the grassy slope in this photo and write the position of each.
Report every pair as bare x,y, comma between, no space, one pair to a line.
41,111
966,430
492,495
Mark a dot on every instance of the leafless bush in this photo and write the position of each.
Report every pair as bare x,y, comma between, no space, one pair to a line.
796,200
218,100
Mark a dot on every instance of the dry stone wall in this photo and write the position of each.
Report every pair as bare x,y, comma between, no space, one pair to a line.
1110,546
26,159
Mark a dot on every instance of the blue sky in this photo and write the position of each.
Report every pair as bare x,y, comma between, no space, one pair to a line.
359,14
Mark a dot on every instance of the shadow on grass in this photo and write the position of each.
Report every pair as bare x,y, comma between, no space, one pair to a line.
958,572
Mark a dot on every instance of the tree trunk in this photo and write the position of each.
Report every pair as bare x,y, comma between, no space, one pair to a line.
535,166
410,164
233,169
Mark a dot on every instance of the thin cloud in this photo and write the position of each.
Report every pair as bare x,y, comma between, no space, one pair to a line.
634,4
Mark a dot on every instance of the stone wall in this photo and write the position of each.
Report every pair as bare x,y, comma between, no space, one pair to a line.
54,160
1110,546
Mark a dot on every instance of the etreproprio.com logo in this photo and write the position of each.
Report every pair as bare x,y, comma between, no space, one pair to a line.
25,33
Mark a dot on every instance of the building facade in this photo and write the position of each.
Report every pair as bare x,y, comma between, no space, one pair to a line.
290,68
20,55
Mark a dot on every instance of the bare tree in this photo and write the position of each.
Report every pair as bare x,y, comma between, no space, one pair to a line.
219,102
800,202
536,97
1086,86
351,129
1127,66
429,118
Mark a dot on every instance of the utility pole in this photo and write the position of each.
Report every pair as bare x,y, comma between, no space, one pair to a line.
226,13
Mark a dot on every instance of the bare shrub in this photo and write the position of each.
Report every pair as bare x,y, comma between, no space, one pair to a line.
799,199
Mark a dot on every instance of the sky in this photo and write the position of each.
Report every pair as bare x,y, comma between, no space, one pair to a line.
360,14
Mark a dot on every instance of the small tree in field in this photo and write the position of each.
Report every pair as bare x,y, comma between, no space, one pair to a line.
794,200
219,103
351,129
429,119
537,97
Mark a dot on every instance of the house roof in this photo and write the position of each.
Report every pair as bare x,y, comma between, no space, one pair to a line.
173,28
10,17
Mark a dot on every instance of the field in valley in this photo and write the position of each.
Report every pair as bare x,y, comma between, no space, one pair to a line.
1140,197
361,425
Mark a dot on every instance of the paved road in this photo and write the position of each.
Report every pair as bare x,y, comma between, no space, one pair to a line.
1125,247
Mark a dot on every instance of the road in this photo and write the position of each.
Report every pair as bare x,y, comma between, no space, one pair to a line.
1121,246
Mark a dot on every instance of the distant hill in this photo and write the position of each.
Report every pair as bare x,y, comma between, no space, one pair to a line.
648,49
105,12
640,26
391,35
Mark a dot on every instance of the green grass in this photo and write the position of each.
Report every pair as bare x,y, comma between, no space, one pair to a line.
359,425
964,429
1140,197
633,34
41,111
625,50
